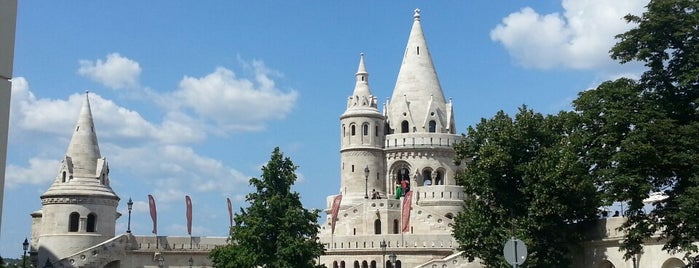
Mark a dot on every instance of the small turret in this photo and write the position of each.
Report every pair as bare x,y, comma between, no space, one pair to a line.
79,208
362,141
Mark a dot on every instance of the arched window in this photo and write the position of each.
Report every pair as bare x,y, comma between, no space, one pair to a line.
365,264
404,127
63,177
344,131
398,264
376,131
91,223
377,226
387,129
356,264
395,226
352,130
373,264
73,220
342,264
365,129
439,179
433,126
427,177
335,264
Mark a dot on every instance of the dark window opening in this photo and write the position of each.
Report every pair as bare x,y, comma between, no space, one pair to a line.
376,131
91,223
427,177
439,180
418,50
395,226
352,130
356,264
377,226
365,264
365,129
404,127
433,126
73,221
63,177
352,168
373,264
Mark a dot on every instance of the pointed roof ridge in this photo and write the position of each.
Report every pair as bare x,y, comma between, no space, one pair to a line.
362,67
361,100
417,77
83,148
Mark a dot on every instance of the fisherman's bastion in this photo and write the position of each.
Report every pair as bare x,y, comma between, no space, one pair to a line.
397,199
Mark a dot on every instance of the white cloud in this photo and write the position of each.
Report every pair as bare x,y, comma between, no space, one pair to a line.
115,72
580,38
39,172
235,103
30,116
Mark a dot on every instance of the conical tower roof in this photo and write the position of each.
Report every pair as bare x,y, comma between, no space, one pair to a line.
361,101
417,95
83,171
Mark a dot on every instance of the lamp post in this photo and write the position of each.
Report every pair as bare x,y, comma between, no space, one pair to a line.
366,182
161,261
130,206
25,246
190,262
392,258
383,252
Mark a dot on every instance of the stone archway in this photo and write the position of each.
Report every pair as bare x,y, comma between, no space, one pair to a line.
673,263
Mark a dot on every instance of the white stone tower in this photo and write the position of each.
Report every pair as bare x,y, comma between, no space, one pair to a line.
411,141
361,151
79,209
419,146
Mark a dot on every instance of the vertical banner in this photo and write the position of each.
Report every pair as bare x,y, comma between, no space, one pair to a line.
407,202
189,214
230,212
153,214
333,212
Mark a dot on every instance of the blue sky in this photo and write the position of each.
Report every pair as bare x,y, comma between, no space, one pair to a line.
191,97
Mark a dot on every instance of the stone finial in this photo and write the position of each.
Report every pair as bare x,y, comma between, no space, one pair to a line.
417,14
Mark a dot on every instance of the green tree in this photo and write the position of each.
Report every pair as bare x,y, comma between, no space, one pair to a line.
641,137
525,180
275,230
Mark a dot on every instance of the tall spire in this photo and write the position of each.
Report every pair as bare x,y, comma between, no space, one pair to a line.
417,77
418,96
83,148
361,97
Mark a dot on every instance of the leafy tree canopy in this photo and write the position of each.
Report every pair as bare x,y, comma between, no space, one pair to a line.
641,137
525,181
275,231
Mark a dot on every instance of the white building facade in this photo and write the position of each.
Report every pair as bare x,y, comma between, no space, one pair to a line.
409,144
396,162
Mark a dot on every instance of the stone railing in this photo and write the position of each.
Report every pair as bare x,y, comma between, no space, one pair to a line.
373,242
416,140
179,243
439,195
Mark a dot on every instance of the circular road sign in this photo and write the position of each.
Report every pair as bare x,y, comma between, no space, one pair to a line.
515,251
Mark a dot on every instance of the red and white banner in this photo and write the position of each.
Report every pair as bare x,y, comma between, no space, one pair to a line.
153,214
189,214
230,211
407,202
333,212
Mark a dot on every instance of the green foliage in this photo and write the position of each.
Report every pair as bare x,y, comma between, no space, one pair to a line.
641,137
526,181
275,231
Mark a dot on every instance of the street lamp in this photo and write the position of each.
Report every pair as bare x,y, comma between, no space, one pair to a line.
366,182
190,262
25,246
392,258
130,206
161,261
383,252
